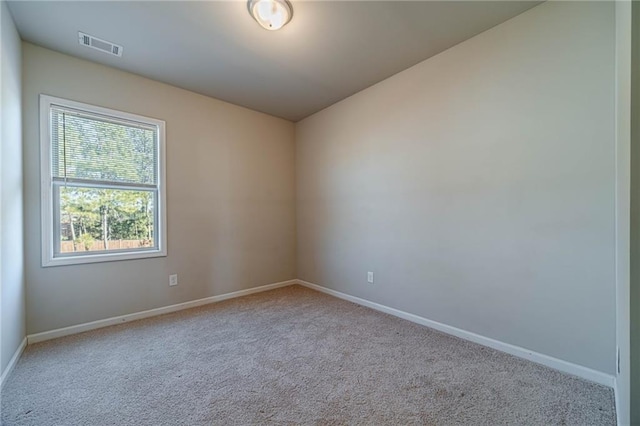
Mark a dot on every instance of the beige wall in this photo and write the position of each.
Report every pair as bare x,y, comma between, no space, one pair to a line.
478,186
12,287
634,298
623,152
230,195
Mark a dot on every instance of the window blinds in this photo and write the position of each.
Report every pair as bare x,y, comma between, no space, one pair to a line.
108,151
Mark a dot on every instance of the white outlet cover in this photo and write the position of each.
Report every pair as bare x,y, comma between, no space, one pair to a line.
370,277
173,279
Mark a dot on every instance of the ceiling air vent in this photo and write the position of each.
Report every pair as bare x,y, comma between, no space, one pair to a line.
99,44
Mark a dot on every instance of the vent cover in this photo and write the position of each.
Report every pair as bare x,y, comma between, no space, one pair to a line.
99,44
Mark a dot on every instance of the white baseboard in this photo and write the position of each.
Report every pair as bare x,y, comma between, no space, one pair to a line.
12,364
548,361
80,328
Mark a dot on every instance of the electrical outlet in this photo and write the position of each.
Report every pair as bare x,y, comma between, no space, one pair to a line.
173,279
370,277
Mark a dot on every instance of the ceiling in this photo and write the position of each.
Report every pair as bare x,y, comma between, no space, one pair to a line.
329,51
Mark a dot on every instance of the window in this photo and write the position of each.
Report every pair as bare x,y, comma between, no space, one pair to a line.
103,187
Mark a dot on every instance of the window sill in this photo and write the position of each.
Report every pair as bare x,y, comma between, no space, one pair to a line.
102,257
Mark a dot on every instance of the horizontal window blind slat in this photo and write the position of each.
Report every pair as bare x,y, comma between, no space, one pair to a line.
101,117
94,148
81,183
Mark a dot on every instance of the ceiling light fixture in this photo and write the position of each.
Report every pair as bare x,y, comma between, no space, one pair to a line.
270,14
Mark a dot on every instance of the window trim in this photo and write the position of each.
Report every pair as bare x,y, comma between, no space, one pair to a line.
47,214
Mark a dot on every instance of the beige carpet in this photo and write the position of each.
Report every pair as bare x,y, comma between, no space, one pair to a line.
288,356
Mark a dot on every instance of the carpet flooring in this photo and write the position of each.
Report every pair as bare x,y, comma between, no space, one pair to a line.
288,356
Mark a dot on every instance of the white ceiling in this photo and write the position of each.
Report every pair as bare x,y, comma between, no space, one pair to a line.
330,49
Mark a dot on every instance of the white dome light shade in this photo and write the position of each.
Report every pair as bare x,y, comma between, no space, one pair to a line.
271,14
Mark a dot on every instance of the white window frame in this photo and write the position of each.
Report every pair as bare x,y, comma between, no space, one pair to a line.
46,185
